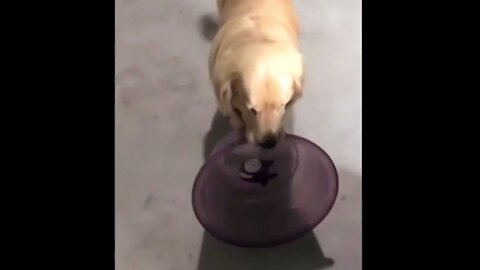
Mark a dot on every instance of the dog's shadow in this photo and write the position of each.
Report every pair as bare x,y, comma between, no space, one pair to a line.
219,127
302,254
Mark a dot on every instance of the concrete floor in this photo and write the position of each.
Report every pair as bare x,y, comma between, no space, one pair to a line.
164,126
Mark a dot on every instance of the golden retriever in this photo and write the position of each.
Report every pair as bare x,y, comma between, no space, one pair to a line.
255,66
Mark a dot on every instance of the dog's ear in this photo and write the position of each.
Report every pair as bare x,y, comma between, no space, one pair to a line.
298,86
227,91
298,79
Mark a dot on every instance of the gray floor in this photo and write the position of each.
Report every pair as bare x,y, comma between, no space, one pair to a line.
164,117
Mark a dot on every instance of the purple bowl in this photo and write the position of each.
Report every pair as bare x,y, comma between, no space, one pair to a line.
251,197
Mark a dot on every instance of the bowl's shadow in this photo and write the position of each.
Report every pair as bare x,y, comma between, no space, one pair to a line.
302,254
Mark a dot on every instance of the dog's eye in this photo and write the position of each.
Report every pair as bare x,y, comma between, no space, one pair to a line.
253,111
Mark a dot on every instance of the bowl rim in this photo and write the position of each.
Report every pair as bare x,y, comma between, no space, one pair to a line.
269,243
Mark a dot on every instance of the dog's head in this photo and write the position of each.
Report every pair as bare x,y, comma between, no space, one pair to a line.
259,93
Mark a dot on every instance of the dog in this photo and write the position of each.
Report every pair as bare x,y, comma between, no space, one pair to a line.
255,66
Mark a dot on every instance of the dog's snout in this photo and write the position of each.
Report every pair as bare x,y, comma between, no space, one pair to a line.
269,141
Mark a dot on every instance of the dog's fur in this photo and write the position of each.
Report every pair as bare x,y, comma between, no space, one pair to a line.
255,65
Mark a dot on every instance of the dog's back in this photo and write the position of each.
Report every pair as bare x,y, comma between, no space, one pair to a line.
280,12
244,23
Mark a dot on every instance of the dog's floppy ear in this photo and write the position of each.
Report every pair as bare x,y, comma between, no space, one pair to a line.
298,79
298,86
227,91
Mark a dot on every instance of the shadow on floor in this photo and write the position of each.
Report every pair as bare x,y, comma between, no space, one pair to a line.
302,254
208,26
219,127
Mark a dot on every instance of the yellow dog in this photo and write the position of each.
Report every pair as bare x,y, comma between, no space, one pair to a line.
255,66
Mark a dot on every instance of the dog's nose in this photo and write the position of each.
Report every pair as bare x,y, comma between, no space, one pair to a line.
269,141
